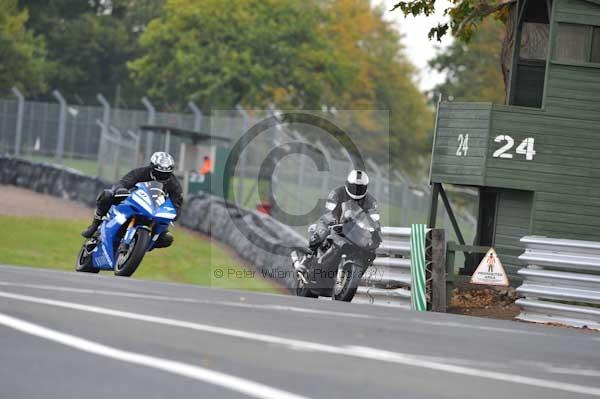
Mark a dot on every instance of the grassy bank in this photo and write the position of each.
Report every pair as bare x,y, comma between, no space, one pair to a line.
54,243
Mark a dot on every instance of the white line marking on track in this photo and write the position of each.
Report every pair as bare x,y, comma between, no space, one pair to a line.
227,381
187,300
353,351
284,308
494,375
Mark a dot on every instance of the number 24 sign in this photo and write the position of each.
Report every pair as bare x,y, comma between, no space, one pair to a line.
525,148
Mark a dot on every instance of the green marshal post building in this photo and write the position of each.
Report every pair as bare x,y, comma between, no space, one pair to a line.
536,160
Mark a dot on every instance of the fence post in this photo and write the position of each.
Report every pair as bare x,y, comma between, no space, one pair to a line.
136,140
242,159
62,117
117,132
151,121
403,198
437,259
379,184
20,111
325,183
197,115
105,123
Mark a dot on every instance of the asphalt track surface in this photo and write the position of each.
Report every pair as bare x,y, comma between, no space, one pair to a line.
69,335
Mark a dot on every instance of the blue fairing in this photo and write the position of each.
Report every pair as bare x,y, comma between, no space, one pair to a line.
145,204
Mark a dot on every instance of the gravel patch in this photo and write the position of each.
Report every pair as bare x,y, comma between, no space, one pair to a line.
15,201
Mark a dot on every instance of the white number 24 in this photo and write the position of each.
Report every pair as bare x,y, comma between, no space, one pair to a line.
525,148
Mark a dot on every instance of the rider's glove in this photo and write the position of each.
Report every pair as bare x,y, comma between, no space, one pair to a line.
121,191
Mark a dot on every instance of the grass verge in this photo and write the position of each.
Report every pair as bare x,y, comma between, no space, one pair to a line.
54,243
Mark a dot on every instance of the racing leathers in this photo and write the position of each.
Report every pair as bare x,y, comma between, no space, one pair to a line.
334,206
107,198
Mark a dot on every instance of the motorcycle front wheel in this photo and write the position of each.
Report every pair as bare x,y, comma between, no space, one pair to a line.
127,262
345,288
83,264
303,290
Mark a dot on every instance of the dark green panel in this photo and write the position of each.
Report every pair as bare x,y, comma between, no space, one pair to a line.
577,18
453,163
512,223
568,231
556,192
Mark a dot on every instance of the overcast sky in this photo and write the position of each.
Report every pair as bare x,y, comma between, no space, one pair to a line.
419,48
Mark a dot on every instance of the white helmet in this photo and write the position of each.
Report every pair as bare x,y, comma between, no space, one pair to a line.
162,166
356,184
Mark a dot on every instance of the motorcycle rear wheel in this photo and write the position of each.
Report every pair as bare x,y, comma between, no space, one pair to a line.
346,289
126,266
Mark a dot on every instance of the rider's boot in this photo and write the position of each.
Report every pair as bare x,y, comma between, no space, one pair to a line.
89,232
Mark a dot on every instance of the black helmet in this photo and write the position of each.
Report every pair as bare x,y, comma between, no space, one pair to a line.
162,166
356,184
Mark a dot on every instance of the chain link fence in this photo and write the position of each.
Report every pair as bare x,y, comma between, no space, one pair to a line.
107,142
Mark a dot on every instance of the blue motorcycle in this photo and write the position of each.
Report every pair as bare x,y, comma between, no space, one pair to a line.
128,231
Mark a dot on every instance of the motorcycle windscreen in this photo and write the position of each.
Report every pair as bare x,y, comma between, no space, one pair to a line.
157,194
358,226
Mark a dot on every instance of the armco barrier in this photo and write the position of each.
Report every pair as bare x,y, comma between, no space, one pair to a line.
387,282
561,283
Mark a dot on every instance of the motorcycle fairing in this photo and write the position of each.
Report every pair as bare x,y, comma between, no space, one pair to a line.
145,202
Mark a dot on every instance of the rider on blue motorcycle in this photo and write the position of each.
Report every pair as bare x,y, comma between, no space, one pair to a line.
160,169
355,189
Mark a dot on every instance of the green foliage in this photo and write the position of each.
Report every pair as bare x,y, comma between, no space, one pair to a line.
22,54
251,52
90,42
473,70
337,53
465,15
293,54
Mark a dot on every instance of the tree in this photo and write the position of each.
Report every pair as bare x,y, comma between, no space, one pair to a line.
472,69
90,42
251,52
465,15
339,53
22,54
382,79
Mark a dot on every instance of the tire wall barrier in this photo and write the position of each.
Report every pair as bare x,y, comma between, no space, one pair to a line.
260,240
57,181
257,238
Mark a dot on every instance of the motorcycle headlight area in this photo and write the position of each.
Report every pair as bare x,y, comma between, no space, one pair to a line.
141,201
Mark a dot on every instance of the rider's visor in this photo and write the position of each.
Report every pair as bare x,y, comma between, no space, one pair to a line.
161,176
356,189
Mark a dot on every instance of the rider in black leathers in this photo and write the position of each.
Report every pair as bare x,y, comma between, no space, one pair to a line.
160,169
355,189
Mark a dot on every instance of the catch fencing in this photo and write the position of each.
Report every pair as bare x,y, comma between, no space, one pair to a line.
561,283
104,141
388,281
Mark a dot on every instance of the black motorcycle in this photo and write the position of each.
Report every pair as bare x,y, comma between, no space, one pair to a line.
337,267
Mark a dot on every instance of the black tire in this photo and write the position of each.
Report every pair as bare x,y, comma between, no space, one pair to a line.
83,264
135,255
303,290
349,283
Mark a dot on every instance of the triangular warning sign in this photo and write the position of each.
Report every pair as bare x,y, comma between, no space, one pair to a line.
490,271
